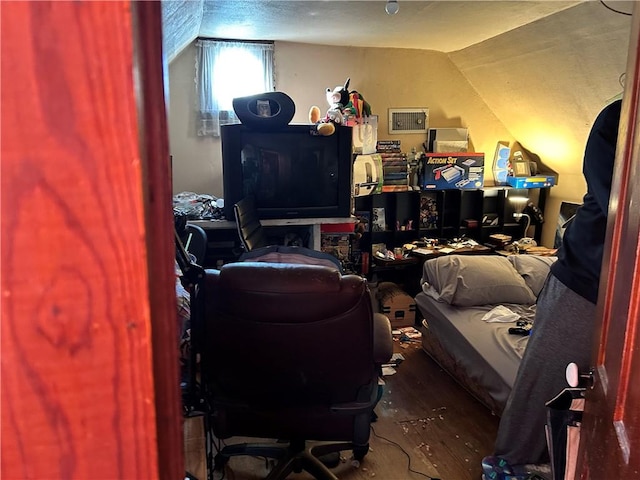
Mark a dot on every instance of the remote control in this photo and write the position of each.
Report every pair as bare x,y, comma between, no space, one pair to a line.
519,331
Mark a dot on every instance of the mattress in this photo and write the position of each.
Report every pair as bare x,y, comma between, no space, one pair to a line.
484,357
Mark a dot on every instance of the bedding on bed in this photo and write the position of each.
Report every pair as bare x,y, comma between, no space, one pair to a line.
471,280
458,293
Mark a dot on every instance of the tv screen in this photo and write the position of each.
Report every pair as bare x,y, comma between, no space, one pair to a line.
290,172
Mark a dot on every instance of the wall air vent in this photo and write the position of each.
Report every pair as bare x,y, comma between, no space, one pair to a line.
408,120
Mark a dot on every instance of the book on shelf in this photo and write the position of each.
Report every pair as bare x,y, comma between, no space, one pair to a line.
397,171
388,146
395,181
393,157
395,188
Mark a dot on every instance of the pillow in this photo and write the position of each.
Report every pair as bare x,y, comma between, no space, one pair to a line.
468,280
534,269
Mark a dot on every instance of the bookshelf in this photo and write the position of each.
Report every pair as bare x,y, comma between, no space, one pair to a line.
444,215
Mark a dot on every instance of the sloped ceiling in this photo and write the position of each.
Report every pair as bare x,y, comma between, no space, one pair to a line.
181,20
444,26
543,68
532,62
547,87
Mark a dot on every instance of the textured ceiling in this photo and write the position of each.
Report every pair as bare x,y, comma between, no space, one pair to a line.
443,25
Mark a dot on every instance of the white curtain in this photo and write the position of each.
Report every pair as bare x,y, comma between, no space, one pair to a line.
226,70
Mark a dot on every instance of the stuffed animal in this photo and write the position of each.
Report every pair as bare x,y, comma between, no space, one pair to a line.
323,128
337,99
357,105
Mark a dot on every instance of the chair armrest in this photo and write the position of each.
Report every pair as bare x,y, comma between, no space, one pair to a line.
382,339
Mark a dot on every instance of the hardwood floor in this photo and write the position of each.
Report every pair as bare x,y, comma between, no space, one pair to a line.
435,423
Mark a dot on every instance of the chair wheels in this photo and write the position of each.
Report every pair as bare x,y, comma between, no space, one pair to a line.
360,452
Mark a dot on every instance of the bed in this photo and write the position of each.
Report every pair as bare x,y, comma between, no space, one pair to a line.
457,292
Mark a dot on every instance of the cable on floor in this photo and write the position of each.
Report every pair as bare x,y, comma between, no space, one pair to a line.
406,454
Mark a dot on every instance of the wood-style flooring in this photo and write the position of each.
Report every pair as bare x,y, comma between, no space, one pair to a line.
426,422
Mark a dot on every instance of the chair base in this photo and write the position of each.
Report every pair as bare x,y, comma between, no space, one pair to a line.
293,457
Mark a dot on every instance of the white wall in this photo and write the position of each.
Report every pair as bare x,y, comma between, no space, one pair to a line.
541,84
387,78
196,160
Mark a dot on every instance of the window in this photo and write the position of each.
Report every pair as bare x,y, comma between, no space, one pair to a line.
226,70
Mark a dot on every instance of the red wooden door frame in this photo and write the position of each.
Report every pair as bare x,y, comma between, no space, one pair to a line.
89,333
610,438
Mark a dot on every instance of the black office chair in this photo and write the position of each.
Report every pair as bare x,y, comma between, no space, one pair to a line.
194,240
258,248
250,230
279,361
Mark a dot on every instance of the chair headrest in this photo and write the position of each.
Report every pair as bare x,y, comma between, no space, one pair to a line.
280,277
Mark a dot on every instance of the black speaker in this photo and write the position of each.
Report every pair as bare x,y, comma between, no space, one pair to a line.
265,111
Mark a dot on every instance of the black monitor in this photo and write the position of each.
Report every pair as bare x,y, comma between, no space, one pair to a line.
290,172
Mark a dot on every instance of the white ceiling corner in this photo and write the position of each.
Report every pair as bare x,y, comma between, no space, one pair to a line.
443,25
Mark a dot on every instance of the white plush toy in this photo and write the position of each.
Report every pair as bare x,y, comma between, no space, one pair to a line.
337,99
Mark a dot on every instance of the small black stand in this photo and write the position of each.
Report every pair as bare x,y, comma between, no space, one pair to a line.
192,275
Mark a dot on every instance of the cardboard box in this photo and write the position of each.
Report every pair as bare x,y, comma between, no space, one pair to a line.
537,181
470,223
464,170
399,307
501,164
367,175
537,175
448,139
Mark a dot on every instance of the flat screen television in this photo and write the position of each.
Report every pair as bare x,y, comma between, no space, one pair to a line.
290,172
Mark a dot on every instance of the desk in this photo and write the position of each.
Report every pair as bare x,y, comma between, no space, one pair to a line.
314,223
437,252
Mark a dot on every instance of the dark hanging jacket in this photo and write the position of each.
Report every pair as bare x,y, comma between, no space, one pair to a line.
580,255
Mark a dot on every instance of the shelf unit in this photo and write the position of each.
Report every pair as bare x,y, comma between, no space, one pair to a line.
447,214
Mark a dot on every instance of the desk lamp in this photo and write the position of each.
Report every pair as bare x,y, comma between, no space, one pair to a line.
520,201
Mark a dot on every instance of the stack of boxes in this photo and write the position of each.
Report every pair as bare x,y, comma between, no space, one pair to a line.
526,170
395,173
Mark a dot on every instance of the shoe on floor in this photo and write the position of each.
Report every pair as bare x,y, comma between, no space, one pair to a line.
496,468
